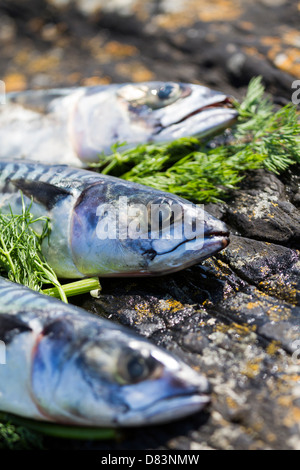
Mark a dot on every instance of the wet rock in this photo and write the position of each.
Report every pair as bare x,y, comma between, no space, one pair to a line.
262,211
273,269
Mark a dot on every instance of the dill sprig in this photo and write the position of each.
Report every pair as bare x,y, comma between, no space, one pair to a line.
15,437
203,172
22,260
20,250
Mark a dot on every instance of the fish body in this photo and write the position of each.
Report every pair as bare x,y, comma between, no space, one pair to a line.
75,126
105,226
67,366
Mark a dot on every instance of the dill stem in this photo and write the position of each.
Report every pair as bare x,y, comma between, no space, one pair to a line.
75,288
52,278
61,293
109,167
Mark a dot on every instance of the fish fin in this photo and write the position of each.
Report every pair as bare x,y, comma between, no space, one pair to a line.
44,193
10,325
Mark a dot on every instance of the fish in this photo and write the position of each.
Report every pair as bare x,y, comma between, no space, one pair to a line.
65,365
105,226
77,126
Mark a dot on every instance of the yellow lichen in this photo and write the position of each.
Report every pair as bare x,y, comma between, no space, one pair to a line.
95,80
277,313
252,368
22,57
270,40
236,328
292,418
285,400
273,347
231,403
287,59
246,25
192,11
15,82
143,310
170,305
136,71
43,63
118,49
292,37
271,437
252,305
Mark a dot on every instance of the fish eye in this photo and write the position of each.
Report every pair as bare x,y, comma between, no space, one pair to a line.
135,366
166,92
154,96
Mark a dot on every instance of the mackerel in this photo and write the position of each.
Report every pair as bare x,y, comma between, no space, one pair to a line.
65,365
105,226
76,126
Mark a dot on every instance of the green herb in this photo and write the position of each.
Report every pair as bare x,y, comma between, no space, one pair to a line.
20,250
15,437
262,138
21,258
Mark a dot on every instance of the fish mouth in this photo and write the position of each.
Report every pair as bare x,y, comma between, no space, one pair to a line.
220,237
213,237
188,253
176,407
225,104
197,116
167,409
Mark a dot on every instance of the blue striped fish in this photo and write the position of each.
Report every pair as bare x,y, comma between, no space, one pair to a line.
67,366
82,203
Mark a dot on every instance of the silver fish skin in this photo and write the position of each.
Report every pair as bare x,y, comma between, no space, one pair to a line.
68,366
71,198
75,126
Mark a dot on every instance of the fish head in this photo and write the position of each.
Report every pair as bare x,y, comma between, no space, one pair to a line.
140,231
146,112
172,110
108,376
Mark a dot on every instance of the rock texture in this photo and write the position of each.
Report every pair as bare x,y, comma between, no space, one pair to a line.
220,43
236,317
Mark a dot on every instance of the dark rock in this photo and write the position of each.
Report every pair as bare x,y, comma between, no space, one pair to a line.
262,212
273,269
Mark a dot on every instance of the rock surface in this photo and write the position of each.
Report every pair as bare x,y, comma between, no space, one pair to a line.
236,317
